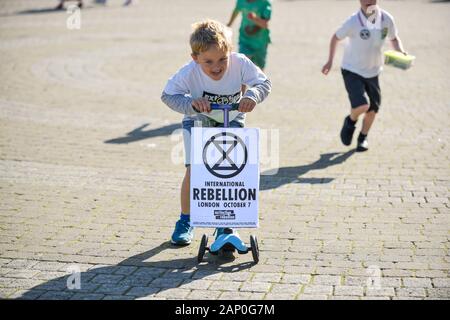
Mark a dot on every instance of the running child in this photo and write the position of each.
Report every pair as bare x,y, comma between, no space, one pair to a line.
366,30
254,34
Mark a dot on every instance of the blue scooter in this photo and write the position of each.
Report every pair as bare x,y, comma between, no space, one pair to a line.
228,240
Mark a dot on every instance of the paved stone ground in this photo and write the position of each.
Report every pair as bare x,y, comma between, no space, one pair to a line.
88,180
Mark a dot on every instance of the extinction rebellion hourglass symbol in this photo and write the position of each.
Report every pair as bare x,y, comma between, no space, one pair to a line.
225,155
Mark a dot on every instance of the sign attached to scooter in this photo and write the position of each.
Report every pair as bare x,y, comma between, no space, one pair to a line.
224,177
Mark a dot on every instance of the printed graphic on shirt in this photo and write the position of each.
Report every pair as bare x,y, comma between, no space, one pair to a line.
384,33
222,99
364,34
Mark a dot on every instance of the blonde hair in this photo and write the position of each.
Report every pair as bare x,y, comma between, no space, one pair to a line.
210,33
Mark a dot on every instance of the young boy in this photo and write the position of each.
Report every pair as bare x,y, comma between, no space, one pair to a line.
215,75
366,30
254,35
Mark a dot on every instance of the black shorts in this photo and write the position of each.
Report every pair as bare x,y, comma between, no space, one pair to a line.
357,86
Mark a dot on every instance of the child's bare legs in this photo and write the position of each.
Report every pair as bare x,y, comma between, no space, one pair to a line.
369,118
349,127
356,112
185,190
349,123
183,233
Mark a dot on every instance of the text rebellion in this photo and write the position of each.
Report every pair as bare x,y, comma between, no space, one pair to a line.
211,194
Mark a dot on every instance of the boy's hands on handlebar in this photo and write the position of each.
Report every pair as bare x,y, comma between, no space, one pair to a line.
201,105
246,105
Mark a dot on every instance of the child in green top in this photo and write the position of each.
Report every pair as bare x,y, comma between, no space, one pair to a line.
254,35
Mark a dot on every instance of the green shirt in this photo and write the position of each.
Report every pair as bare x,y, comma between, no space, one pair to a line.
250,32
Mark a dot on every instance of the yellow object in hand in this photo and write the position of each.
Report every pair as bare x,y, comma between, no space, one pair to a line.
398,59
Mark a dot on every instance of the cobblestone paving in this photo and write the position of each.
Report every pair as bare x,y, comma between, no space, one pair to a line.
90,170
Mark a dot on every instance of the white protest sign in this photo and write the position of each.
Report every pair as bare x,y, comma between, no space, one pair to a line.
224,177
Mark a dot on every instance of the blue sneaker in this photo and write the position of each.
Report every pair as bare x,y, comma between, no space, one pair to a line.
183,233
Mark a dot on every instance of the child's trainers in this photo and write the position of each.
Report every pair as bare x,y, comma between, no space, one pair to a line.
183,233
347,131
363,143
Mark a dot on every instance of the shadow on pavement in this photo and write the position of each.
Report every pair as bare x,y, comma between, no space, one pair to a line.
139,134
42,11
150,277
39,11
287,175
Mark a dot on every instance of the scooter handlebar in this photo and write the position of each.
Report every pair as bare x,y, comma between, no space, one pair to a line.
230,107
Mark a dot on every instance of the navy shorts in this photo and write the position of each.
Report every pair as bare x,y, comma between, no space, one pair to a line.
357,88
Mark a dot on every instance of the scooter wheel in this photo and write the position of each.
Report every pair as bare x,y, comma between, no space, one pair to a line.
255,249
202,249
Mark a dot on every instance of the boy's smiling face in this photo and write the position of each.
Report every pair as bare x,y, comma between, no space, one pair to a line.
214,62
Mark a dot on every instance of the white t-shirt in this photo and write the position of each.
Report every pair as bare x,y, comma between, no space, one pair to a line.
191,81
363,51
